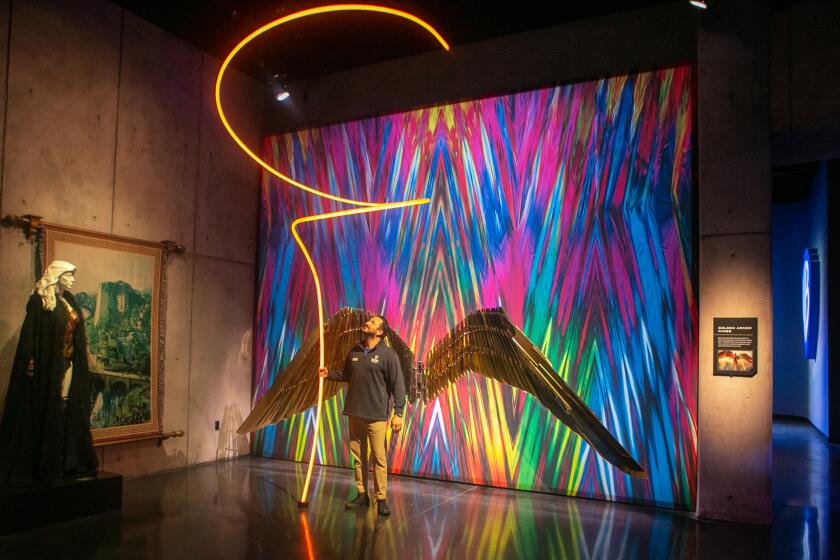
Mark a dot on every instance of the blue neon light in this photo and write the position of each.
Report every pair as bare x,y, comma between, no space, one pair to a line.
811,301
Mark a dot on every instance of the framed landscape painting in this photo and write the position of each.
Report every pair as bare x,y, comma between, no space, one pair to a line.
118,287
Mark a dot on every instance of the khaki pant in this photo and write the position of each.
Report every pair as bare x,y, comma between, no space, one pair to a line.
368,437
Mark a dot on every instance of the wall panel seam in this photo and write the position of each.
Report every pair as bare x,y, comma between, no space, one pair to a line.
222,259
117,122
195,236
738,234
5,106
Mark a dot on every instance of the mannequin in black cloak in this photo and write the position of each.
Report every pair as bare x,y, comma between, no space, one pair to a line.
45,431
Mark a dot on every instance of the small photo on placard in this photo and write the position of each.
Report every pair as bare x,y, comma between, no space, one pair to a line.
736,346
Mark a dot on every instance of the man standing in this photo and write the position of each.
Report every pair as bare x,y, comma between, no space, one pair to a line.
373,373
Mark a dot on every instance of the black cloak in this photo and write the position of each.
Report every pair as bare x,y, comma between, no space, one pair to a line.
42,438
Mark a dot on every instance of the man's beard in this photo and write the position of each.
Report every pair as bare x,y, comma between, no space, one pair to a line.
367,335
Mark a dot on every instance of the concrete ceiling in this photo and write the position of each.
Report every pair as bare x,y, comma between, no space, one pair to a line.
342,41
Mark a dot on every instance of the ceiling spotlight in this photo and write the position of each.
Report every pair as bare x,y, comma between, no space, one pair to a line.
702,4
279,89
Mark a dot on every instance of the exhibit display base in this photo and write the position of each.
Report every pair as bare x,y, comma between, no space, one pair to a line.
22,509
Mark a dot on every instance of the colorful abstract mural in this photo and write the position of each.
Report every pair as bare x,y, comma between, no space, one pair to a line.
571,208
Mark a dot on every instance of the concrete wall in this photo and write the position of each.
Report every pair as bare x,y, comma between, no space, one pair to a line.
805,79
734,428
616,44
832,267
800,385
731,44
110,125
804,61
818,397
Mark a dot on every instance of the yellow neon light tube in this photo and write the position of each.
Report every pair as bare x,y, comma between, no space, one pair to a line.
317,217
286,19
365,207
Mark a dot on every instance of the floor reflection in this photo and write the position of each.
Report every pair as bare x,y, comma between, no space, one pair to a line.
247,508
434,519
806,491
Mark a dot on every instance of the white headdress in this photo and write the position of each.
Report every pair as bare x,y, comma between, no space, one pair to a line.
45,287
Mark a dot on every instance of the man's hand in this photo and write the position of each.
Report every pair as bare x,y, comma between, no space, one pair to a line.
322,372
396,423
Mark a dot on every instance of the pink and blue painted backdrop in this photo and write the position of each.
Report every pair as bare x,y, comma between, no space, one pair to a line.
571,208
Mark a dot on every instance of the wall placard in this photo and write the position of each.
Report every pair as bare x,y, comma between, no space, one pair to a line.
736,346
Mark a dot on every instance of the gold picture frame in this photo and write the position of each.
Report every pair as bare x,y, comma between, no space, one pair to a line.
120,285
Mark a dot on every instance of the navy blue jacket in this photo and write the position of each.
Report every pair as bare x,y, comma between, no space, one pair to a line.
373,376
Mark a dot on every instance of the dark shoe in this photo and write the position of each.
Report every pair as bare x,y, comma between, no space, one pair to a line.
358,501
382,508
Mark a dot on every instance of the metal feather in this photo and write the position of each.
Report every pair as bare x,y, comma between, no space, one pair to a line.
295,388
485,342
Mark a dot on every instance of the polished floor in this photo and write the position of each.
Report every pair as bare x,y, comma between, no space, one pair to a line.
806,492
247,509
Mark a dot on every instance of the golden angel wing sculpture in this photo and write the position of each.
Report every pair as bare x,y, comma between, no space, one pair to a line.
295,389
485,342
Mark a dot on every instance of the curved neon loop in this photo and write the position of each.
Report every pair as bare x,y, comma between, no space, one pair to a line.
286,19
366,207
